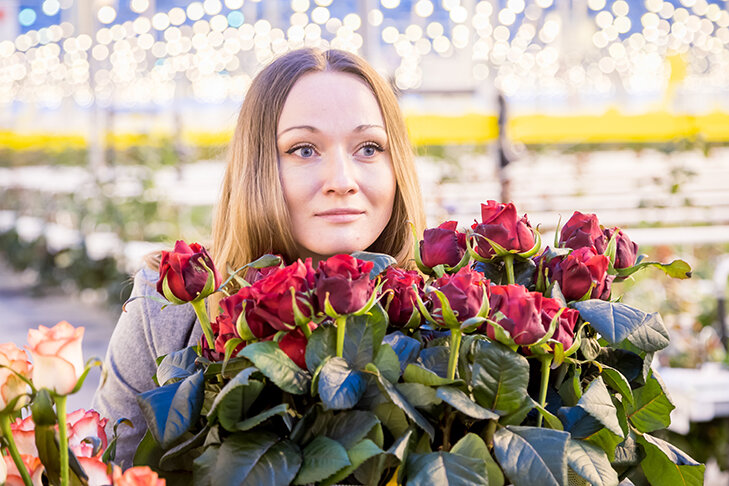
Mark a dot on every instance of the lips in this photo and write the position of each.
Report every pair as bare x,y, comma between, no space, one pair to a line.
340,215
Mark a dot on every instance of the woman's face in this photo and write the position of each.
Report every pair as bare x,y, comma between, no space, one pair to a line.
335,165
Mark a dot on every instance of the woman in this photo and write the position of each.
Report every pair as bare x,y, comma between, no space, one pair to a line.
319,164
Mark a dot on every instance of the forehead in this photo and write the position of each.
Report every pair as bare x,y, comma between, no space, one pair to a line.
330,100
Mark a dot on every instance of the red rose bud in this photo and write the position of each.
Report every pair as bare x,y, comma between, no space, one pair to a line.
274,304
565,331
443,245
294,345
578,271
187,274
464,291
522,313
403,302
233,306
346,280
626,251
580,231
223,330
500,224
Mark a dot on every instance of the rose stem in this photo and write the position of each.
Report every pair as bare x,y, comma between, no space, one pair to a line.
546,367
509,264
202,315
63,437
456,335
7,433
341,324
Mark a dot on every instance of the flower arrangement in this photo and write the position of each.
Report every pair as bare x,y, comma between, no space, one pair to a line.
498,363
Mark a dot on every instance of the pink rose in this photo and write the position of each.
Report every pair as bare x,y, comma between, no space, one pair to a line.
136,476
57,357
83,424
11,386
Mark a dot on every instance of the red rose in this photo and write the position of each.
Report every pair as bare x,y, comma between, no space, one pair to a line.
347,282
500,224
400,282
273,295
443,245
233,305
223,330
522,313
579,270
626,252
565,331
294,345
185,273
464,291
582,230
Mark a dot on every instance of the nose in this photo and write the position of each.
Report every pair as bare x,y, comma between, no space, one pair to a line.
339,173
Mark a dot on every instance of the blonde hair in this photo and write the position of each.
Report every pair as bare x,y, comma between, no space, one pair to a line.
251,217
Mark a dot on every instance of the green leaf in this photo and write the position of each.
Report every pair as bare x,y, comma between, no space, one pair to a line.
500,377
323,457
530,455
249,458
417,374
396,397
651,335
464,404
340,387
614,321
277,367
591,463
388,363
375,319
180,456
347,427
381,467
392,417
172,409
579,423
435,359
472,445
445,468
176,366
596,401
148,451
420,396
549,418
249,423
666,464
651,408
626,362
617,382
358,342
235,399
607,441
381,261
321,345
676,269
357,456
405,347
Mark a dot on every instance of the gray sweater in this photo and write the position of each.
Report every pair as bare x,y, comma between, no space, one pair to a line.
144,332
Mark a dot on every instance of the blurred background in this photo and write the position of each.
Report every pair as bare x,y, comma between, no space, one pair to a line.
115,115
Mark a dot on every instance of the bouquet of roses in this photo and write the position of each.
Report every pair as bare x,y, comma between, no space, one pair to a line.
48,445
498,363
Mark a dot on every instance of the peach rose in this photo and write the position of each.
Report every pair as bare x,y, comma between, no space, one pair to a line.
57,357
32,464
95,470
11,385
136,476
24,436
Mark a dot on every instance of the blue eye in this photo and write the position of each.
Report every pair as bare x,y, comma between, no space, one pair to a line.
306,152
370,149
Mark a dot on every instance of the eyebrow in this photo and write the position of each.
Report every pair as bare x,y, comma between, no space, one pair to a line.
316,130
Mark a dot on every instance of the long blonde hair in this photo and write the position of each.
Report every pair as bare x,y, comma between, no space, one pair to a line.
251,216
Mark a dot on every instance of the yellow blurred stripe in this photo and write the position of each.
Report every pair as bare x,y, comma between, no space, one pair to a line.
428,129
